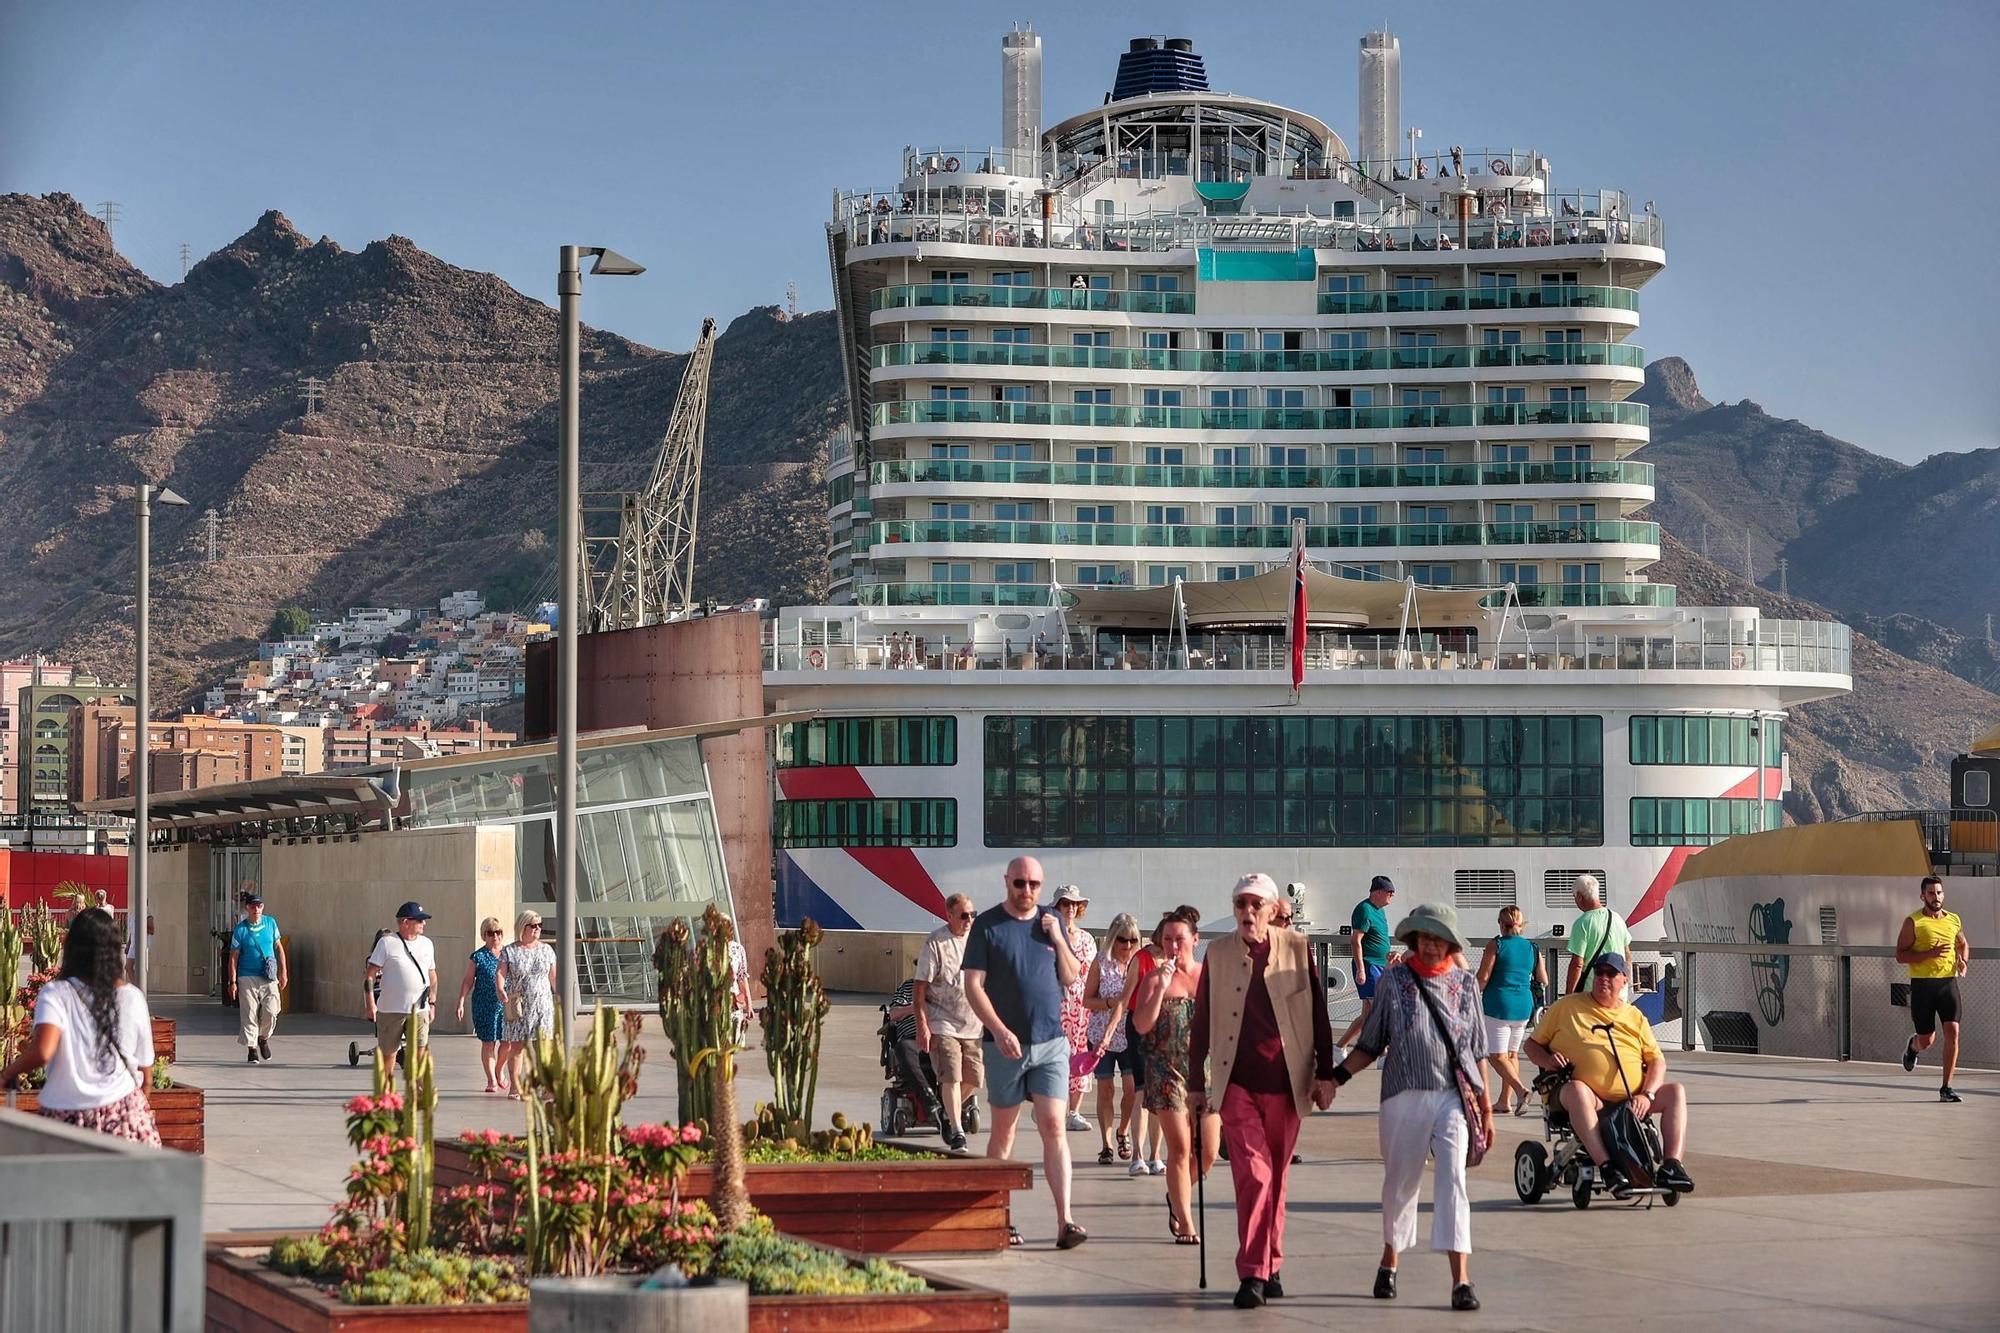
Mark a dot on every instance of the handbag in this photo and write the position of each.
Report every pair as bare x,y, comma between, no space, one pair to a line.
1477,1142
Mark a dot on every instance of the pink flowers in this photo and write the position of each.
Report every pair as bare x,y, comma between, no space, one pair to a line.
491,1138
366,1105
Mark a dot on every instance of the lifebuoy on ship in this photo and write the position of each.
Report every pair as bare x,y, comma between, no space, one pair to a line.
1500,166
815,659
1737,658
951,164
1539,236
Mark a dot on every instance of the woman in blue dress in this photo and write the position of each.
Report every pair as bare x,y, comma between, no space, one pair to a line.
1509,976
481,984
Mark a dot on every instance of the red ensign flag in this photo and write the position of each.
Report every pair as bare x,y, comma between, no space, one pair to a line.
1298,613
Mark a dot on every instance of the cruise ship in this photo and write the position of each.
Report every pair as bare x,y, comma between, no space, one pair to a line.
1105,378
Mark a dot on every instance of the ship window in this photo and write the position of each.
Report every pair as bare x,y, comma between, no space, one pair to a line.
867,741
1256,780
931,822
1692,821
1720,741
1978,789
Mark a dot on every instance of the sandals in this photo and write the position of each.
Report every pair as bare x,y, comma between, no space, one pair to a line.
1104,1157
1071,1237
1124,1146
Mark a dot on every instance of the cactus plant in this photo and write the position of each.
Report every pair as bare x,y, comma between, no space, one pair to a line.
795,1009
44,934
692,1021
573,1101
416,1128
12,1012
712,982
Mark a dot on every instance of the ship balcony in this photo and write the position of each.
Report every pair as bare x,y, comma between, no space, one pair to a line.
1040,594
925,295
1815,649
1631,418
1603,538
1317,361
1614,477
1430,300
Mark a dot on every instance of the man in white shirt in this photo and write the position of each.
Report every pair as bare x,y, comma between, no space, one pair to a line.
946,1026
406,963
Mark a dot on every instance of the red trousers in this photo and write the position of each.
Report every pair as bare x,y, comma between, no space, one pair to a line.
1261,1129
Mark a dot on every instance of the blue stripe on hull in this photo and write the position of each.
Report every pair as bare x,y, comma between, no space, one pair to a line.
799,897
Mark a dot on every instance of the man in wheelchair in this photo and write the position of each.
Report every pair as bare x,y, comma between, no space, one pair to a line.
1607,1046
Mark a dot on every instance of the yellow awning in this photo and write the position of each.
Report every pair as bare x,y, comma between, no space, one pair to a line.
1989,741
1266,599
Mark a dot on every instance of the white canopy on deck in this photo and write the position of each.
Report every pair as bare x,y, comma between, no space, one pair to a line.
1266,599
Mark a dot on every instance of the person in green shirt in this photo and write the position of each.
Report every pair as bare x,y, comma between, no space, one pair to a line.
1598,930
1370,939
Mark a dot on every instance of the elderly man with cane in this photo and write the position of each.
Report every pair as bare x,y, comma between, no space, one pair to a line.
1256,1020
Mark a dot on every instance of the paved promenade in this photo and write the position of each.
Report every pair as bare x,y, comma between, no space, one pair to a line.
1829,1196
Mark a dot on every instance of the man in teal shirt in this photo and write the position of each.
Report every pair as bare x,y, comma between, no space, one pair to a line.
258,971
1370,938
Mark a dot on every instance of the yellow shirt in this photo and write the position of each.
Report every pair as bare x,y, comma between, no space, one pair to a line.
1932,931
1565,1029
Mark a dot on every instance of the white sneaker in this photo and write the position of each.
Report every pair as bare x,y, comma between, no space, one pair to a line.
1159,1167
1139,1168
1077,1122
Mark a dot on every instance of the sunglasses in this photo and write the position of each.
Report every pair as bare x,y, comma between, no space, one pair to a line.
532,925
1281,921
1248,904
1606,972
1027,883
492,933
1126,939
961,916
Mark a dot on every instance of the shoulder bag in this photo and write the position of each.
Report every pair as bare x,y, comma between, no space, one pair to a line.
1469,1091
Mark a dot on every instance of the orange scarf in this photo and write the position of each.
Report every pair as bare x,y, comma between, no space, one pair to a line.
1417,965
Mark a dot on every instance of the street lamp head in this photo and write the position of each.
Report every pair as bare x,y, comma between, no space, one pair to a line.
167,497
611,263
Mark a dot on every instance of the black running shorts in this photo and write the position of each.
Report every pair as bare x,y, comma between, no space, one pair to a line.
1933,999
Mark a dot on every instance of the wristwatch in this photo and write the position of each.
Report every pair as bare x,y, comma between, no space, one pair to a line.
1340,1076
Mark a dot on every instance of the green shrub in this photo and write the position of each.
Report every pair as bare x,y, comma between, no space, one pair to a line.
775,1265
432,1277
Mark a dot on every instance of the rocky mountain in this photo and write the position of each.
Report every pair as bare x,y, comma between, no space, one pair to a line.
424,460
1886,746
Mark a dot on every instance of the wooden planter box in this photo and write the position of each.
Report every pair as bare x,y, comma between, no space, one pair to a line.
936,1205
244,1296
163,1039
180,1112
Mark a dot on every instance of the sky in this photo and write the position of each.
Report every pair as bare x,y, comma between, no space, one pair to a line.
1813,159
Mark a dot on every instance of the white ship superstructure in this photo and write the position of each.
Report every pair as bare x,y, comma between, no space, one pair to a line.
1096,391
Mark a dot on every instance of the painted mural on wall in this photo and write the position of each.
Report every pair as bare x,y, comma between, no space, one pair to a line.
1769,925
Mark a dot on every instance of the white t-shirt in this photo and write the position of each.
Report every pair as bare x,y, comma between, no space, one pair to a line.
402,983
77,1081
941,967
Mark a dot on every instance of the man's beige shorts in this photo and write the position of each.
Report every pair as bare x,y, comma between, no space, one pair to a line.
389,1030
957,1060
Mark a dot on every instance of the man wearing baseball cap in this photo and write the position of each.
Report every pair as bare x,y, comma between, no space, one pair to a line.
1369,935
406,962
1258,1022
1609,1049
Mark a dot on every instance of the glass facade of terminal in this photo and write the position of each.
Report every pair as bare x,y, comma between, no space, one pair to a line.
1260,780
648,845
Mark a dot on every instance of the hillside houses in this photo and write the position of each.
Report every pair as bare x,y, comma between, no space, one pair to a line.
387,670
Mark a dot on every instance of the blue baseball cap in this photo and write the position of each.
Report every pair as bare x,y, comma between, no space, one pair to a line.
413,911
1615,961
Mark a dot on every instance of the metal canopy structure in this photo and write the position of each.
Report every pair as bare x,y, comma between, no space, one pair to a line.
637,547
268,798
1332,603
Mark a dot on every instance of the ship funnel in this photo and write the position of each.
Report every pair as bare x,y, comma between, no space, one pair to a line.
1021,101
1381,101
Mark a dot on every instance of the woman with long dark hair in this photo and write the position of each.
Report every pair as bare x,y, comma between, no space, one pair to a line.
94,1034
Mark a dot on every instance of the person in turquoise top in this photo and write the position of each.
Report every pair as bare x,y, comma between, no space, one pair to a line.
258,971
1512,980
482,986
1370,939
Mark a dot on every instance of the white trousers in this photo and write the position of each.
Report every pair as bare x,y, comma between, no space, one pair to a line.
1415,1125
257,1006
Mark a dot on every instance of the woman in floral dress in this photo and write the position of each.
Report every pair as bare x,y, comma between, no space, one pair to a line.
481,986
528,974
1164,1015
1071,905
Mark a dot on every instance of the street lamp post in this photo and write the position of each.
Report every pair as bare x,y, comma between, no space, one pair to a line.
142,778
569,289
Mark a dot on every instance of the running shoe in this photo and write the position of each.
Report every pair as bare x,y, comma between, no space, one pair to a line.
1159,1166
1616,1183
1673,1175
1945,1094
1910,1055
1077,1123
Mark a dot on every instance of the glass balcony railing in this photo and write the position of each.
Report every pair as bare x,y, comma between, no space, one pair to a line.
928,294
955,471
1317,361
1409,416
952,594
1592,594
1542,296
1345,536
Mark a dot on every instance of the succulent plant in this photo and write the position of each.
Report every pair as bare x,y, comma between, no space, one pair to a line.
693,1023
794,1017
